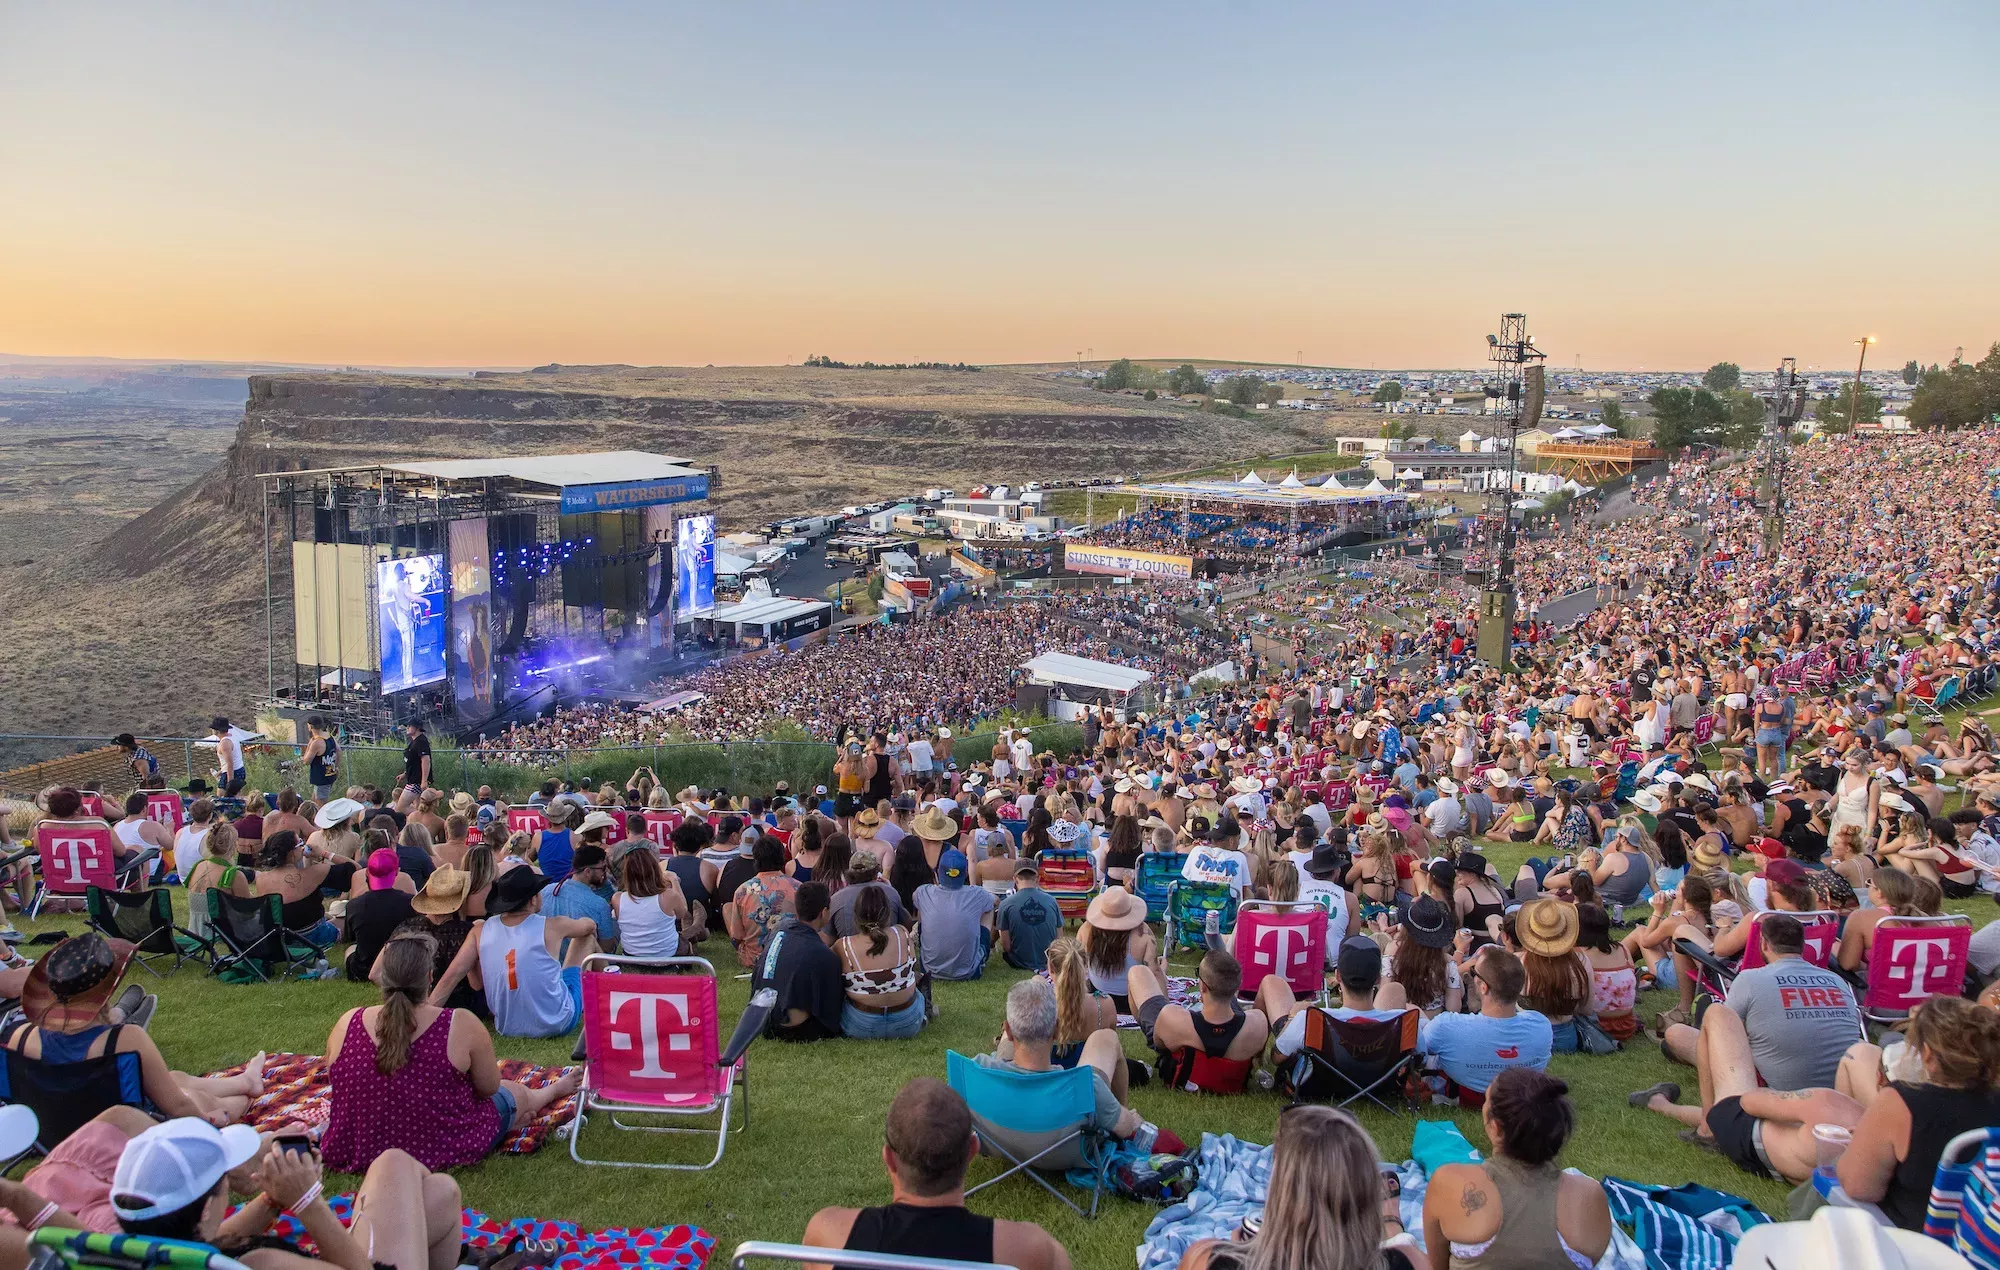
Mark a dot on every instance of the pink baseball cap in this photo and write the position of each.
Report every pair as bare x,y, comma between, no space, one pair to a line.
382,869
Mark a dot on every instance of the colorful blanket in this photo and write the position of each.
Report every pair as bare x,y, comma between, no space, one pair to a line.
296,1092
614,1248
1185,993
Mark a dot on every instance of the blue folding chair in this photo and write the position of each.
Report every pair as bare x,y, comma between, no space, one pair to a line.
1158,871
1027,1118
1188,907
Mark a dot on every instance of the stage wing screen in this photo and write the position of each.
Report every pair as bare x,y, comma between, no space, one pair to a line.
410,602
471,619
694,566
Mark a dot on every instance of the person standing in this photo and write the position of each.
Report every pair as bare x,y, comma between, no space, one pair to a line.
229,771
416,760
322,755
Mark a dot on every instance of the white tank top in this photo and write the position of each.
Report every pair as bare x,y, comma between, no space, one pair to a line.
646,930
524,983
188,846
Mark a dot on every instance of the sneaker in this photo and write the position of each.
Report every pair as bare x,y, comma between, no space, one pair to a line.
129,1001
142,1015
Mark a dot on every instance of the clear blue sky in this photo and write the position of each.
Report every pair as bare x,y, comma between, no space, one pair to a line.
1368,184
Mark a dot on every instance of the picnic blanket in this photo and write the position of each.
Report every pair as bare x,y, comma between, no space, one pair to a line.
1185,993
1681,1227
613,1248
1234,1178
297,1091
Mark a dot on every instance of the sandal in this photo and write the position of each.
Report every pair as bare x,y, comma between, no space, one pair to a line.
1695,1137
1643,1097
1666,1017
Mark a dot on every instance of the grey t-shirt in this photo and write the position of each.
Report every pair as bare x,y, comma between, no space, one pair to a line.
949,919
1985,951
843,907
1800,1019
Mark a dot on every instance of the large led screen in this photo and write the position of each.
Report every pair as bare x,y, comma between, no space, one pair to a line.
471,619
409,597
694,566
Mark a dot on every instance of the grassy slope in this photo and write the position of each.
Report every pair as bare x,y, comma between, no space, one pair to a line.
817,1132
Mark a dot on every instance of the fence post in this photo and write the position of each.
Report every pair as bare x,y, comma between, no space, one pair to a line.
187,757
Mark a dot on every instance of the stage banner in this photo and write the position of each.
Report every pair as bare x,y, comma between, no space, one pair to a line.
694,567
626,495
471,618
1083,558
409,598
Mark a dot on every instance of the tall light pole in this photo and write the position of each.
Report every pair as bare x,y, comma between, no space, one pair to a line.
1854,393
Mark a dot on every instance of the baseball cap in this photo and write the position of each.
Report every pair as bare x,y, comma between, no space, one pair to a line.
951,870
1360,962
175,1164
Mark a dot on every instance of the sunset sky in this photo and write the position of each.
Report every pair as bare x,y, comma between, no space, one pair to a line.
1354,184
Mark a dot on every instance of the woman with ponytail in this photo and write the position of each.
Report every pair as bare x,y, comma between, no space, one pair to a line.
1079,1011
411,1075
1895,1150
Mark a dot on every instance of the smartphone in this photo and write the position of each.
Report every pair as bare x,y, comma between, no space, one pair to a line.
298,1143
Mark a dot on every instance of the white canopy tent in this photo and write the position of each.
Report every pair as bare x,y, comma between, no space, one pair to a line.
1565,434
1292,481
1409,474
1251,479
1597,430
1079,683
1375,487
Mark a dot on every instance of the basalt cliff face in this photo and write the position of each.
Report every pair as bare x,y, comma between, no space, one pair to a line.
161,623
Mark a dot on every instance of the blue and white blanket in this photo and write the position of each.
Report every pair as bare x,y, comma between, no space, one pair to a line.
1234,1178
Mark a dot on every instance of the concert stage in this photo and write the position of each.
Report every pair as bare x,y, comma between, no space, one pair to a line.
468,592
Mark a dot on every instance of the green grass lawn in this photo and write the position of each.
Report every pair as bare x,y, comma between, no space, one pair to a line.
815,1135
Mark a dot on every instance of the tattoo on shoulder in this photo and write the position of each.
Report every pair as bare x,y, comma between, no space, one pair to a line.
1473,1200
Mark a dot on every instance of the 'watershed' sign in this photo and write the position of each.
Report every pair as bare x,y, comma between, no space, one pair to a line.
1078,558
627,494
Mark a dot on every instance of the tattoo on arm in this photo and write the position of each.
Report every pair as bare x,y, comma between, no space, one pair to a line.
1473,1200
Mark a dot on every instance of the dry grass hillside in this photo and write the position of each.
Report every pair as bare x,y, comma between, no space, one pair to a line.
160,623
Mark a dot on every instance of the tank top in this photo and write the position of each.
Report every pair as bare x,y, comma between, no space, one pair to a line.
645,929
879,785
1113,985
1215,1038
884,980
523,982
1527,1239
555,854
322,767
909,1230
1937,1115
1624,888
372,1113
851,782
687,868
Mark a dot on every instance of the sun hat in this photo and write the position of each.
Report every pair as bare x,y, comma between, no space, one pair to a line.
1700,781
1246,785
464,804
1843,1239
1471,862
1430,923
867,818
513,891
1185,791
932,825
338,812
68,987
1116,909
1124,785
1896,801
976,780
598,820
444,892
951,869
1646,801
1447,786
1706,855
1065,831
1547,927
1499,779
176,1164
382,869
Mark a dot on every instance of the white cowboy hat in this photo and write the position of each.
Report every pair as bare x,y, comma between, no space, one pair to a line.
1646,802
1447,786
1246,785
1843,1239
1499,779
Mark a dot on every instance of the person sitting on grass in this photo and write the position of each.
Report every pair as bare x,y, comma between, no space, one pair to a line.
1516,1208
579,894
513,954
1027,1041
1331,1205
1472,1049
928,1142
1221,1029
421,1078
172,1182
760,903
68,998
1029,920
804,972
879,972
1799,1018
374,915
651,912
957,919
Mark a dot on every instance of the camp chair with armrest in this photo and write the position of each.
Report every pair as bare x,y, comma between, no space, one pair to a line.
844,1259
145,919
252,933
70,857
1157,872
1964,1208
1286,939
67,1096
526,820
52,1248
652,1049
1188,907
164,807
1910,960
1034,1119
1713,975
1354,1058
1198,1072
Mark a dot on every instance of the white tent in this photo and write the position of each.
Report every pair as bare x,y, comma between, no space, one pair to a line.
1332,481
1082,672
1375,487
1572,487
1597,430
1534,504
1292,481
1468,435
1251,479
1409,474
1565,434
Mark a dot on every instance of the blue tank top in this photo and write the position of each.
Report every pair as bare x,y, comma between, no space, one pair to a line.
322,766
555,855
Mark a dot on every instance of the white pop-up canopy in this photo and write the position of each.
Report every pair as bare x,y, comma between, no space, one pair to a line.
1292,481
1082,672
1375,487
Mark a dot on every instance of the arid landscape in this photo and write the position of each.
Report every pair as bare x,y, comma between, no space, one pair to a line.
132,574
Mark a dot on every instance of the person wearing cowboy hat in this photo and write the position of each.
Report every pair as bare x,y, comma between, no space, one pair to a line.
1558,979
69,999
552,850
956,918
441,906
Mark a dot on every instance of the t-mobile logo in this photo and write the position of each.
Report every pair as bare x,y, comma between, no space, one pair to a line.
78,856
1284,934
1917,968
648,1031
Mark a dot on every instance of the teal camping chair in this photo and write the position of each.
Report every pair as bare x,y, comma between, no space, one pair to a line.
1158,871
1034,1119
1188,907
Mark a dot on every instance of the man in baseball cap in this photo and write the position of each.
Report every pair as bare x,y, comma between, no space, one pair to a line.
1359,974
957,920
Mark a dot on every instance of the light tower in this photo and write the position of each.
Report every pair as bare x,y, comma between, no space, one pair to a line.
1517,386
1787,404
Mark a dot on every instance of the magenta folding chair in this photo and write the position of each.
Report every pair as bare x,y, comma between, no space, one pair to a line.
1714,975
660,826
652,1048
165,807
1911,960
526,820
1286,939
71,857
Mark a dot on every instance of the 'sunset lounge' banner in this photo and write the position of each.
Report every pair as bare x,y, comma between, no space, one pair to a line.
1081,558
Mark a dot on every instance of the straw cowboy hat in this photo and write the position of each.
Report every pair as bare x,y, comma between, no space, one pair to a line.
932,825
1246,785
464,804
1706,855
68,988
444,892
868,818
1116,909
1547,927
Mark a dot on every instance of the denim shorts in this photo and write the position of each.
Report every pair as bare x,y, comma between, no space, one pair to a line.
503,1102
862,1025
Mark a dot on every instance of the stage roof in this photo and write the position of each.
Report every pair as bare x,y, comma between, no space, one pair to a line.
1260,495
1064,669
605,467
764,609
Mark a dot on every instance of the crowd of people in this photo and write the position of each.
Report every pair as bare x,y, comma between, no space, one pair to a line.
1677,751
